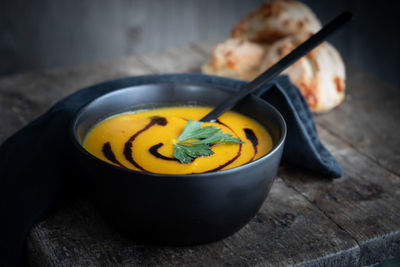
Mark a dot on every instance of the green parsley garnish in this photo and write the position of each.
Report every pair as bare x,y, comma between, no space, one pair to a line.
196,141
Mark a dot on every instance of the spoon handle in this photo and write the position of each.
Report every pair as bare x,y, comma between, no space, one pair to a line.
281,65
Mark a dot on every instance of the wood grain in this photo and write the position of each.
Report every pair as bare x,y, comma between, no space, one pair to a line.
174,60
364,202
369,120
285,231
26,96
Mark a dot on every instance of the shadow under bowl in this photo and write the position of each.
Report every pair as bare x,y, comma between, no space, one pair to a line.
177,209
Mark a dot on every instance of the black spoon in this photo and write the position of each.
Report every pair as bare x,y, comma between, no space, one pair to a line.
280,66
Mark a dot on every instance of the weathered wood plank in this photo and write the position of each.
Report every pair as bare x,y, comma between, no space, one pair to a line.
175,60
364,202
206,47
292,232
368,120
287,230
26,96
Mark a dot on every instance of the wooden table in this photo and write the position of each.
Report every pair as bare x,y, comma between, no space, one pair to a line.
306,219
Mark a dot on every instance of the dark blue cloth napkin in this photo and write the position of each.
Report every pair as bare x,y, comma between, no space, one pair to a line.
36,163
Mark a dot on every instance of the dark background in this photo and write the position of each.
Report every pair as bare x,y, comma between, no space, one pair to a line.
54,33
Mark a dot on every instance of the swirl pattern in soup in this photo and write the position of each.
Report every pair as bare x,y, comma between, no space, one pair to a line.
144,140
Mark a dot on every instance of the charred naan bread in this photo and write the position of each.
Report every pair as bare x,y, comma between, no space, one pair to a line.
236,58
277,19
320,75
269,33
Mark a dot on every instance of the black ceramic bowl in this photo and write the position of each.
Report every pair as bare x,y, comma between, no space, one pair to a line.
177,209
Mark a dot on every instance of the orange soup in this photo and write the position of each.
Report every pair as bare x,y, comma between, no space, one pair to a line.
144,140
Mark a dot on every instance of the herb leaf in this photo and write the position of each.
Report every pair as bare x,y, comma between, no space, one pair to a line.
186,151
193,130
217,139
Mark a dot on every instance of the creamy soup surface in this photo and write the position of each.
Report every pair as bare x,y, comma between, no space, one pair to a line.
144,140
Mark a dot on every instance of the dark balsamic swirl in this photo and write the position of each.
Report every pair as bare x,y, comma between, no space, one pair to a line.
109,154
251,136
157,120
229,161
232,159
154,151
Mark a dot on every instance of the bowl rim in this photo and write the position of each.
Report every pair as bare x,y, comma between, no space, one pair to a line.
80,147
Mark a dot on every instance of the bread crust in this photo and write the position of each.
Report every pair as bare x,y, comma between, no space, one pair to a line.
236,58
320,75
269,33
275,20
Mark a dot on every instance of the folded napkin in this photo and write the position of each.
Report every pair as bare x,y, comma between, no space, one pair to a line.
36,163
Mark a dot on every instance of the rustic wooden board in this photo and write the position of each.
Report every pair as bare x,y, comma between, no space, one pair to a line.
286,231
306,220
369,120
174,60
364,202
26,96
